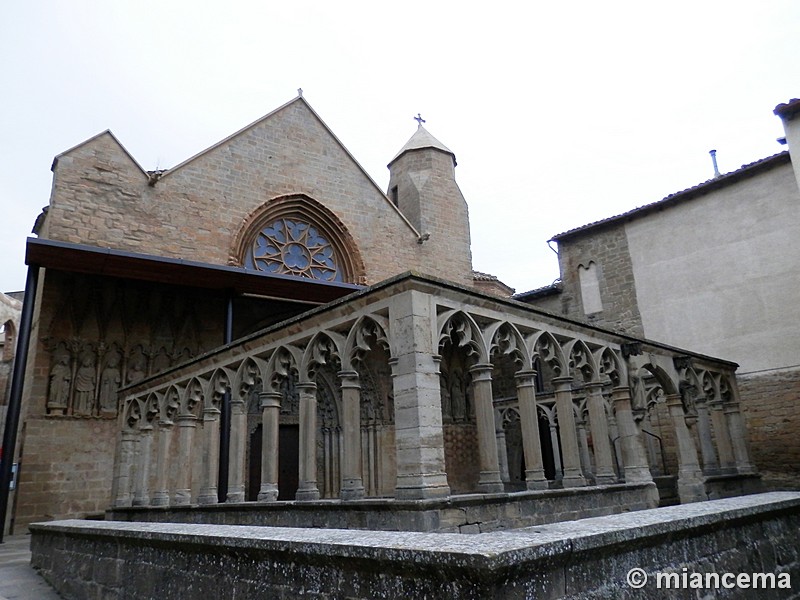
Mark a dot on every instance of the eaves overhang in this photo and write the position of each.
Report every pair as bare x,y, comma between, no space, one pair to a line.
94,260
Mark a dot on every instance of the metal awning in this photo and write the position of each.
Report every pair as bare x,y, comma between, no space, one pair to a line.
80,258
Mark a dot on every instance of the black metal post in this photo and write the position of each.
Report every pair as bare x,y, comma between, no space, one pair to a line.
225,416
15,397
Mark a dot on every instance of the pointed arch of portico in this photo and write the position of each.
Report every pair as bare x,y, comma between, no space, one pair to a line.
544,346
325,348
503,338
368,333
460,329
305,209
582,364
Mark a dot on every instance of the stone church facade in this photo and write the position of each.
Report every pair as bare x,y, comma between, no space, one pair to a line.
713,268
175,305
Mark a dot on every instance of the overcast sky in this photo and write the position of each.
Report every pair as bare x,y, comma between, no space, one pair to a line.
559,113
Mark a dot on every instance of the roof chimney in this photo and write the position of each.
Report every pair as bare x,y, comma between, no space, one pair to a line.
713,154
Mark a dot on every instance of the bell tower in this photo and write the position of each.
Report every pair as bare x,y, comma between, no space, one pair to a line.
423,186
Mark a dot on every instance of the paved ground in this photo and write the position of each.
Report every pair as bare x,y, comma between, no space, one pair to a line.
18,579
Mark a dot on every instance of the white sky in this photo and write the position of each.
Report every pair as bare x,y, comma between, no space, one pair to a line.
559,113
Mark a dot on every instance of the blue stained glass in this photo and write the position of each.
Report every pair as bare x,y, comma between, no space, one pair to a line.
293,247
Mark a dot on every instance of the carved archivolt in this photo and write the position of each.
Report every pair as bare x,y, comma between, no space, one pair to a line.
296,235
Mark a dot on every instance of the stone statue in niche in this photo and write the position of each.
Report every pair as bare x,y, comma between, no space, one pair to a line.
85,383
60,380
136,370
458,396
110,379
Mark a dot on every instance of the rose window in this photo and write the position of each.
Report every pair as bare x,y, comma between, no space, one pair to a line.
292,247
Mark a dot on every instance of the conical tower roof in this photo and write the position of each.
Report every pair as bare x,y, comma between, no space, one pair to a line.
420,140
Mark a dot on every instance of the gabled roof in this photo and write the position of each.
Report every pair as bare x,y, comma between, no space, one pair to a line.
423,139
93,138
166,172
743,172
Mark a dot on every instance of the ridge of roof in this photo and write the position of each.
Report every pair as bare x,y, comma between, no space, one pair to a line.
545,290
744,171
421,139
272,113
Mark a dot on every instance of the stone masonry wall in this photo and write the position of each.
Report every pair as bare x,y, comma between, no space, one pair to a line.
769,403
590,559
68,458
608,249
66,468
101,197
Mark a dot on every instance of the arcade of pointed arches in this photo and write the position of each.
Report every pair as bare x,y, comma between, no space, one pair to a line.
523,405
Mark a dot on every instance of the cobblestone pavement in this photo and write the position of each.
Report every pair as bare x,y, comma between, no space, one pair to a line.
18,579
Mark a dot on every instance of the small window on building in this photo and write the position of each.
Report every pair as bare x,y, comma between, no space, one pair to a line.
393,195
590,289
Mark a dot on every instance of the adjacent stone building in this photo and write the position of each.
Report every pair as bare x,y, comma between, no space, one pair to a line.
713,268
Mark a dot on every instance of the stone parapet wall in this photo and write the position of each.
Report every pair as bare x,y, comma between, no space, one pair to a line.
473,513
588,559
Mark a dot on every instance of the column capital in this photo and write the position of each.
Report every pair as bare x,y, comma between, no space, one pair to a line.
165,424
349,379
307,386
730,407
270,399
525,378
563,383
481,371
594,386
186,420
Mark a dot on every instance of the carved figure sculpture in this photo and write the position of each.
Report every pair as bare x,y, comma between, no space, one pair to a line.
85,381
60,379
110,379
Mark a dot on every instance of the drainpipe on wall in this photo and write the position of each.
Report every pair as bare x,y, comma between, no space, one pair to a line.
15,396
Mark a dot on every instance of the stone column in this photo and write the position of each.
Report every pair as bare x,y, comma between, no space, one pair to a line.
183,487
419,441
598,422
559,475
307,488
352,478
489,480
741,451
583,446
502,448
238,450
208,488
727,462
690,478
141,496
270,415
529,422
710,464
634,459
573,476
125,460
161,494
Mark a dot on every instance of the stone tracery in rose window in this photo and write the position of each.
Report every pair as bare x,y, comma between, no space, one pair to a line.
293,247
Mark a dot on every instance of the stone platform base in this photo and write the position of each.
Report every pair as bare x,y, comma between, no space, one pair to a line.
472,513
590,558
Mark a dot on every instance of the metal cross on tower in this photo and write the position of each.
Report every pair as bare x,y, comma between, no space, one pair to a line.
419,120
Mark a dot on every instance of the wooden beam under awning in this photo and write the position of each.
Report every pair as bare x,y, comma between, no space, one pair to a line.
79,258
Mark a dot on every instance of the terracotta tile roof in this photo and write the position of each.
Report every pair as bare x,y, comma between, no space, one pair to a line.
547,290
743,172
788,110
